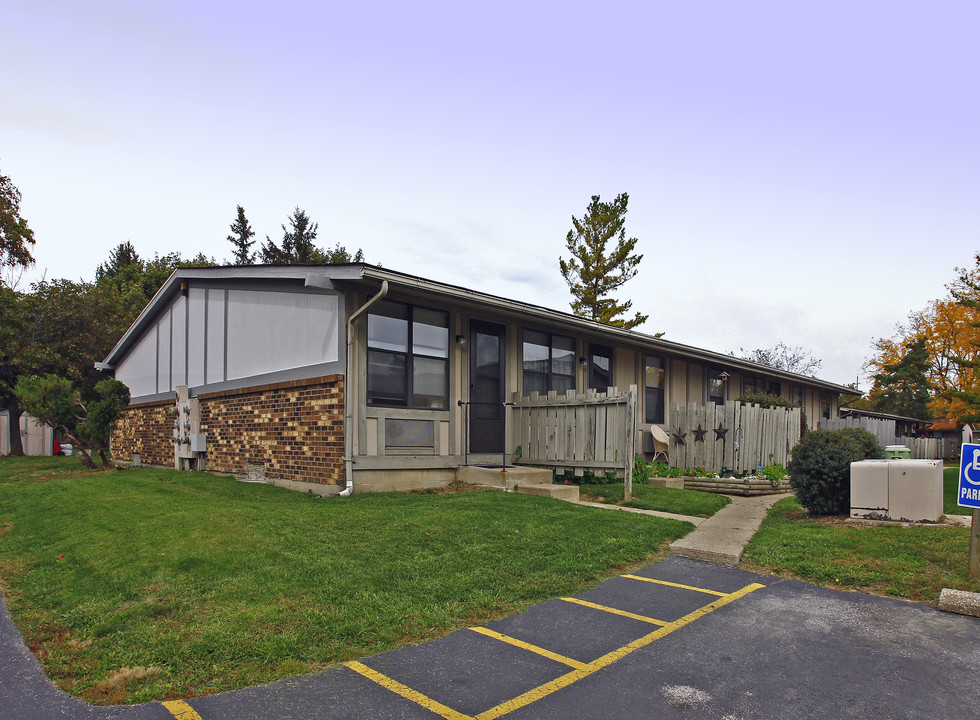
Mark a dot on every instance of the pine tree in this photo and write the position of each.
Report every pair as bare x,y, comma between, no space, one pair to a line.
297,243
902,388
242,232
592,271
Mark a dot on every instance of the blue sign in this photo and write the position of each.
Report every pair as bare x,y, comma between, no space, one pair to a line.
968,494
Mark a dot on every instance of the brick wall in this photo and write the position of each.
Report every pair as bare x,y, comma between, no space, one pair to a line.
146,429
296,429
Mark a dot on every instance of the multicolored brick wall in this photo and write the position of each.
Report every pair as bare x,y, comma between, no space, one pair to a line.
296,429
146,430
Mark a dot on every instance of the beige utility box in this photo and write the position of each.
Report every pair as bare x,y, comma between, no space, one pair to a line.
909,490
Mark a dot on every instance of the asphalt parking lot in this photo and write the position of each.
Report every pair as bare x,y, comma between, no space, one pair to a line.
680,639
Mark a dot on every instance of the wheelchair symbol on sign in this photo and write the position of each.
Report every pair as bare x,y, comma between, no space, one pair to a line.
974,467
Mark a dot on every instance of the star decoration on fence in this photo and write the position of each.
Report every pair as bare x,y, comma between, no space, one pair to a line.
720,433
699,434
679,436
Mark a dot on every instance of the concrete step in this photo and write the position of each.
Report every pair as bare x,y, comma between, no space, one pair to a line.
531,481
505,478
559,492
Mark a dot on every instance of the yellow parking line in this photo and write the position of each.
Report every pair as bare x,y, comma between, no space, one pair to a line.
609,658
614,611
181,710
532,648
676,585
406,692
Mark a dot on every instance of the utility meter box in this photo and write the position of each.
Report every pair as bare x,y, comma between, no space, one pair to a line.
897,452
908,490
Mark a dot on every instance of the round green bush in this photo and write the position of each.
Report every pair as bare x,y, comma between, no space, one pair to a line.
820,470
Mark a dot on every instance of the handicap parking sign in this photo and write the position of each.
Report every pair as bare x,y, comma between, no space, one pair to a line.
968,494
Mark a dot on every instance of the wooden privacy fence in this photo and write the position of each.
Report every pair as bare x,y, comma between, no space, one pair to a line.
884,430
579,432
732,437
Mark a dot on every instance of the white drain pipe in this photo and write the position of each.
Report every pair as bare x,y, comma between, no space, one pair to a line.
348,392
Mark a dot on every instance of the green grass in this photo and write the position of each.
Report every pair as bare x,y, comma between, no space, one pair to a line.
915,563
148,584
951,485
653,497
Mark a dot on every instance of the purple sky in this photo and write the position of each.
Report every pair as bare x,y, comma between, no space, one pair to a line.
798,172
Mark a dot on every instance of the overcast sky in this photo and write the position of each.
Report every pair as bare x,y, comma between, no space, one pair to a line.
805,172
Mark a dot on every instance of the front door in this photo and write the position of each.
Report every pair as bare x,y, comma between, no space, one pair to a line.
486,388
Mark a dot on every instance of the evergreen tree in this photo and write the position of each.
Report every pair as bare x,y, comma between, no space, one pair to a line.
241,236
16,238
297,242
593,271
902,388
340,255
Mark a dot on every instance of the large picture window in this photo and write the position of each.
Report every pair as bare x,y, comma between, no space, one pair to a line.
653,380
549,363
407,357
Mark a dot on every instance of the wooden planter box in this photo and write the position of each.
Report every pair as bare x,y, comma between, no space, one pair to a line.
738,486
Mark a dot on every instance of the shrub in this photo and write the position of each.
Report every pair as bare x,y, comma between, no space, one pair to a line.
775,474
820,470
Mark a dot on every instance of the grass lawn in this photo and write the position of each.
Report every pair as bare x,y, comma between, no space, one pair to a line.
915,563
653,497
149,584
951,484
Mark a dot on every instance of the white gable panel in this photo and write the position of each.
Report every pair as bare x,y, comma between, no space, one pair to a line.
178,365
139,369
195,337
164,330
216,336
271,331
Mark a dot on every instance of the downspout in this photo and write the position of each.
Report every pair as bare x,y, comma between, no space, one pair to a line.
348,385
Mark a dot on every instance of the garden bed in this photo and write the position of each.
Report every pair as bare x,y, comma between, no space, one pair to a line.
737,486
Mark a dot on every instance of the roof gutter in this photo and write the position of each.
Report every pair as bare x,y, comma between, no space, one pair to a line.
348,392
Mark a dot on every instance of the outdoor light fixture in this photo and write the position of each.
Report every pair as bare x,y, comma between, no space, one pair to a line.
461,340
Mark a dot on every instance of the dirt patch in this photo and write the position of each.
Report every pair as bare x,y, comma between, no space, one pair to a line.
456,487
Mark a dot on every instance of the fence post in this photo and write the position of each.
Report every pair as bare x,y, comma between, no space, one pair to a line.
630,427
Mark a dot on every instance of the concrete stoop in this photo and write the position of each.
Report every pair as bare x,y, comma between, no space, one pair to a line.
532,481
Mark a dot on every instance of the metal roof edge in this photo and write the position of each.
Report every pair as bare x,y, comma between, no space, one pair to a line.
639,338
364,271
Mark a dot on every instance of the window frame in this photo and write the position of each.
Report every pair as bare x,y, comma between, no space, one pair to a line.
659,416
597,350
711,374
549,373
411,356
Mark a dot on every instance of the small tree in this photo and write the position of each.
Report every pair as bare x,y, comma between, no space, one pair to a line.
240,238
820,470
16,238
57,402
592,271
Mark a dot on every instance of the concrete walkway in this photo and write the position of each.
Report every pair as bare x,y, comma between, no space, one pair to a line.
721,537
